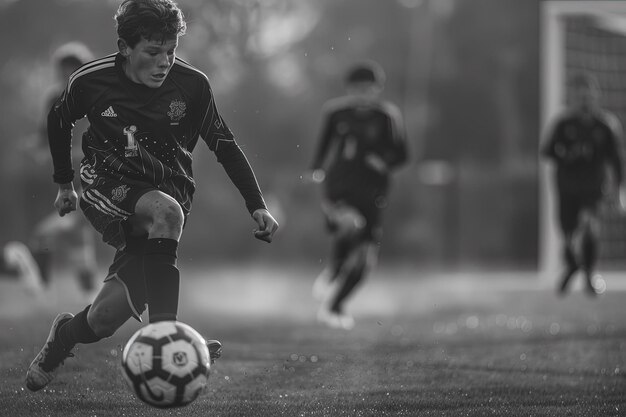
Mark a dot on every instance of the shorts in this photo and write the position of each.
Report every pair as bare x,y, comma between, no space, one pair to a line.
107,203
369,204
572,204
127,269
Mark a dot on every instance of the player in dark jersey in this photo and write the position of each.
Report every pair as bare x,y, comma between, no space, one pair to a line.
71,234
584,144
51,234
147,109
361,143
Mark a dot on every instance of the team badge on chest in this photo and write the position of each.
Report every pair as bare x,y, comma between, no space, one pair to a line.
178,109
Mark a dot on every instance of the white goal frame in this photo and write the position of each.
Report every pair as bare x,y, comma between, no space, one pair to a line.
610,15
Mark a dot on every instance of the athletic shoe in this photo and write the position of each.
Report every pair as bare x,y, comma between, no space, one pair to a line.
18,256
334,319
215,350
595,285
42,369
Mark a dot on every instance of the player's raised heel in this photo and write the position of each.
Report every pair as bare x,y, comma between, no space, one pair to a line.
42,368
215,349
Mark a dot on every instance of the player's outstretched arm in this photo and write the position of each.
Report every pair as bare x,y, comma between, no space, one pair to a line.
66,199
267,225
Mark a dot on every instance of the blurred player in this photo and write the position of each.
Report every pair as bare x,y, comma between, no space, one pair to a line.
70,234
147,109
361,143
585,141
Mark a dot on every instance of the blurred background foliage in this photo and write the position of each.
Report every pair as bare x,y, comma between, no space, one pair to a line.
464,72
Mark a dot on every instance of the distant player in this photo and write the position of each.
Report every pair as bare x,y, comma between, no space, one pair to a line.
147,110
69,234
361,142
584,144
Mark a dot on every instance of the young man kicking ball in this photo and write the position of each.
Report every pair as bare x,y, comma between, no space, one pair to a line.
147,109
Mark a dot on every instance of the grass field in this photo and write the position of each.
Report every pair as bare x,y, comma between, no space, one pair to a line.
439,345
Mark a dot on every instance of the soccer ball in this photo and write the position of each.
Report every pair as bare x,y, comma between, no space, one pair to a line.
166,364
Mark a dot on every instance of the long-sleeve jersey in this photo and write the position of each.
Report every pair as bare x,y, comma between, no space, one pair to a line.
145,135
582,147
352,130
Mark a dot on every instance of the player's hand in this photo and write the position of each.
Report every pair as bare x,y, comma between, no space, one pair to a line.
376,163
267,225
66,199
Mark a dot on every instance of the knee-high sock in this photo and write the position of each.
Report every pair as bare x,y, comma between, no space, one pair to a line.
570,257
77,330
355,269
340,251
590,252
352,279
162,279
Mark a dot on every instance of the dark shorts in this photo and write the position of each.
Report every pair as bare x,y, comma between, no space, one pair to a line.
369,203
107,203
572,204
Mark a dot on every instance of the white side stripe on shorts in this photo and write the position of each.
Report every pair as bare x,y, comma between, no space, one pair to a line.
110,203
104,204
99,206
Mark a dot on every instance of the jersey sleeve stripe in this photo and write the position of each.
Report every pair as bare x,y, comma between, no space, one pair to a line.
89,68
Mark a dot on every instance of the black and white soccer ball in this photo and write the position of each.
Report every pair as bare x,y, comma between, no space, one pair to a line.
166,364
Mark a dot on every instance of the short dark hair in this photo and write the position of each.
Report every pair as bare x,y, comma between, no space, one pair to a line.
368,71
150,20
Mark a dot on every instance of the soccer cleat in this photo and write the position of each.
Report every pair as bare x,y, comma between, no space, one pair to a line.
334,319
42,368
595,285
215,350
17,255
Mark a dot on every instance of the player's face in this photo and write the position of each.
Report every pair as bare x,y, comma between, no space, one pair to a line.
149,61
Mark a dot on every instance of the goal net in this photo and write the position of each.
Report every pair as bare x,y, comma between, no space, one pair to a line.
589,36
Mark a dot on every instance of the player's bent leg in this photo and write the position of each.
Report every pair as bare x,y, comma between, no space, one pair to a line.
571,265
110,310
590,226
362,259
160,217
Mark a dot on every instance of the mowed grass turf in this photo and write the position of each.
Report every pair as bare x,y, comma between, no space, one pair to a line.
501,345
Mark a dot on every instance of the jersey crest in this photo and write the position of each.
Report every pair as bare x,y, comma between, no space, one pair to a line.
178,110
119,193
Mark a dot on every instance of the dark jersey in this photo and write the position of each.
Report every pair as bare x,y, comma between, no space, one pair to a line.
352,131
583,147
145,135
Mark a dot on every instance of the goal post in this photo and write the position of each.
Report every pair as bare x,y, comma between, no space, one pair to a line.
589,36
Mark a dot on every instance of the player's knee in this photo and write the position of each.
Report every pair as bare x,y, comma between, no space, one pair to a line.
168,219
